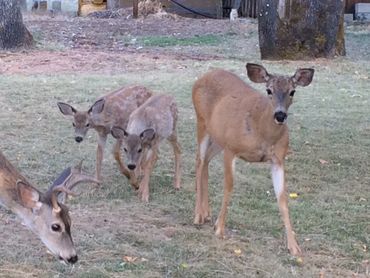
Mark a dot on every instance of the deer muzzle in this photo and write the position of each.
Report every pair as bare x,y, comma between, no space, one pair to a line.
280,117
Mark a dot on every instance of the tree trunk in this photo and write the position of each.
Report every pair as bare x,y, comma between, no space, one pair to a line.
301,29
13,33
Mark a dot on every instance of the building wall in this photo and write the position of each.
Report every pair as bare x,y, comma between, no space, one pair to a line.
350,5
66,6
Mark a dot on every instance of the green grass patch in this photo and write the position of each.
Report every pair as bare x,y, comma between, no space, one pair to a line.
167,41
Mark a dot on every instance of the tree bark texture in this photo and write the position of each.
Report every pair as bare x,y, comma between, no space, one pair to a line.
13,33
301,29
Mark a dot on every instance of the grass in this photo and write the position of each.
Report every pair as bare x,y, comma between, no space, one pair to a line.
329,120
164,41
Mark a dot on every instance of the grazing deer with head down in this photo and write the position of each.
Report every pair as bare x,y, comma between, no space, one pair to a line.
40,212
110,110
235,118
148,126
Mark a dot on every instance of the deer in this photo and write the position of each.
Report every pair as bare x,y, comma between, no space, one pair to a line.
235,118
41,212
110,110
150,124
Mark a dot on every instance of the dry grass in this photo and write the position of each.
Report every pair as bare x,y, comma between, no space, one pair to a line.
147,7
329,120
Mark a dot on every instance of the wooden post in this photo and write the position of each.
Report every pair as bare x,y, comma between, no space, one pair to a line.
135,8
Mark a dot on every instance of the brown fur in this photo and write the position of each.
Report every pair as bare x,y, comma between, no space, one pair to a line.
110,110
150,124
36,210
235,118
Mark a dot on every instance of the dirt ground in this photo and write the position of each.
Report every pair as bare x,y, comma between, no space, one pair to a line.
65,44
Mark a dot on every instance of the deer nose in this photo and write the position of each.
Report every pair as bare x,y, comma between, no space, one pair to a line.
131,166
73,259
280,116
78,139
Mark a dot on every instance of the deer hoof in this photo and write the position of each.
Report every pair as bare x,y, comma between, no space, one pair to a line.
145,198
294,249
135,186
201,218
198,219
219,230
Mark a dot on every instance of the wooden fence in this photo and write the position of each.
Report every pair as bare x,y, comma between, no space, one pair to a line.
248,8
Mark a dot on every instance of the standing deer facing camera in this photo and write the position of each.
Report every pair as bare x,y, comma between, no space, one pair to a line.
148,126
41,212
235,118
108,111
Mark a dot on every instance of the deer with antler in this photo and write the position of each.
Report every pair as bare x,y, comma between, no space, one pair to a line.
110,110
41,212
235,118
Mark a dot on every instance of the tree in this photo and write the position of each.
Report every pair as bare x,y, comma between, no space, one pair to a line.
13,33
301,29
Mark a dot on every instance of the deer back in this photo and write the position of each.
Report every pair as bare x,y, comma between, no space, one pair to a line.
119,105
159,112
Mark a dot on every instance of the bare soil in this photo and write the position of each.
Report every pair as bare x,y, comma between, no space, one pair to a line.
65,44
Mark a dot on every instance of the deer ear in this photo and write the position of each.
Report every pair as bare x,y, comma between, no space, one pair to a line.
147,135
28,195
66,109
118,133
257,73
303,77
97,107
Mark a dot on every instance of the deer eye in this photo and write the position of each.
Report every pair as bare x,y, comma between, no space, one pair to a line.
87,125
56,227
292,93
125,150
269,92
74,125
139,150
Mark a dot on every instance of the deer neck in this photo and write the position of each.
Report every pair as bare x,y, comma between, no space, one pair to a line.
9,199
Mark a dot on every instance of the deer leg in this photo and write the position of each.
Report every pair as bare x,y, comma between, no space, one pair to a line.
212,150
278,179
177,151
148,165
229,165
99,154
201,211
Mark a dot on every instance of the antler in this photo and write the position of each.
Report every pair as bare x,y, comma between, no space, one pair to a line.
69,178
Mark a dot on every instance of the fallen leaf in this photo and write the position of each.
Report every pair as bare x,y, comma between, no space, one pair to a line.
237,252
322,161
293,195
184,265
299,261
130,259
